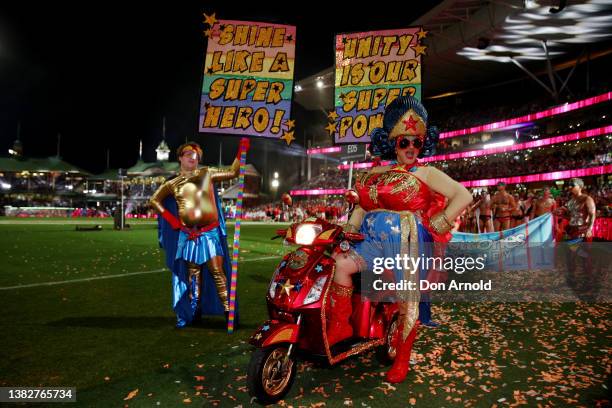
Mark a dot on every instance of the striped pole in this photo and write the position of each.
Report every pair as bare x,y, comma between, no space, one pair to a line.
236,247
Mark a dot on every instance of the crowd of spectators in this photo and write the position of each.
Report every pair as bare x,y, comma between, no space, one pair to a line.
333,209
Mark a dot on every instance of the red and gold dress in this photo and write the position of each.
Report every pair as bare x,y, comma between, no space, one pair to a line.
399,207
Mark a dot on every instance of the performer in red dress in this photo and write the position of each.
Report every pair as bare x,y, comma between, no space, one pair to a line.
400,207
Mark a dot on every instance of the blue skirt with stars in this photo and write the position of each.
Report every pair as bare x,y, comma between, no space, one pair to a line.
383,239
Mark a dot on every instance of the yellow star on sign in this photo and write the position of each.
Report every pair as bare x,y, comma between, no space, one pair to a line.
332,115
288,137
421,33
210,20
331,128
207,32
287,286
290,124
419,49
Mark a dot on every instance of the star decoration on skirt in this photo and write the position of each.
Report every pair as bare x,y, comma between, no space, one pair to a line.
287,286
257,336
210,20
421,33
265,327
288,137
298,286
319,268
331,128
332,115
290,124
395,229
410,123
419,49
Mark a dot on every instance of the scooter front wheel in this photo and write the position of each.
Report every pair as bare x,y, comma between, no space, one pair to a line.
271,373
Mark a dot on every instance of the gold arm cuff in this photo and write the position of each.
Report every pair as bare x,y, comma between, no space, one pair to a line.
440,223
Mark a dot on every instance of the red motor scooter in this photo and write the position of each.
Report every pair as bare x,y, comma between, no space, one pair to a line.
297,301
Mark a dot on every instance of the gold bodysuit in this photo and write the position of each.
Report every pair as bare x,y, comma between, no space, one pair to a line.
197,208
194,194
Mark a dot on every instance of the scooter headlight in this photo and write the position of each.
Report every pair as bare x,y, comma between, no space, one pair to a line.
306,233
314,294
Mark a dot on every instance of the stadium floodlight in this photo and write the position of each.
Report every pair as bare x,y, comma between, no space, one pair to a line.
12,152
5,186
320,83
504,143
298,88
275,183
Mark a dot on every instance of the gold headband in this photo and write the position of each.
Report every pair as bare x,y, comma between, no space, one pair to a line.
193,148
410,124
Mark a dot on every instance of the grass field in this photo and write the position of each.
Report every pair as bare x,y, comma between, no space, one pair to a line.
110,333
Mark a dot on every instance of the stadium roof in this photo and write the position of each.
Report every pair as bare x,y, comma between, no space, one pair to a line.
155,168
49,164
472,43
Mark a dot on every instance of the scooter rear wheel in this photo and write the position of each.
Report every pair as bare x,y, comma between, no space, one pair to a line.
269,377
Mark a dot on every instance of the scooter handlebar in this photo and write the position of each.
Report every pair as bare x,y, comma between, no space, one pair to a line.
354,236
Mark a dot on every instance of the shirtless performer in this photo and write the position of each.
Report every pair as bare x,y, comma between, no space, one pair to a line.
502,206
518,217
484,219
544,204
581,211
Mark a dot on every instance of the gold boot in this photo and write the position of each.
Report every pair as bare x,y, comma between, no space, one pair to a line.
215,267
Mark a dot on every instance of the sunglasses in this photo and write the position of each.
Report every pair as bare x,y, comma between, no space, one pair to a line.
404,142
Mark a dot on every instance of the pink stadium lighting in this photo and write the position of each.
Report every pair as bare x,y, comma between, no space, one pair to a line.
531,178
317,192
496,150
522,146
323,150
531,117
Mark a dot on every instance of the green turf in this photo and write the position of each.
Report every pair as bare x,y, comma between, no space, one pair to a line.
110,337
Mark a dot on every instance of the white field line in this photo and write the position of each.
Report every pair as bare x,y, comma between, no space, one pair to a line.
121,275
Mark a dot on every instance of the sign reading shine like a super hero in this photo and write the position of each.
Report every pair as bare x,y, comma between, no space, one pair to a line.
248,79
372,69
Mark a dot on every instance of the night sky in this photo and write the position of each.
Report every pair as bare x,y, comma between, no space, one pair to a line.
104,76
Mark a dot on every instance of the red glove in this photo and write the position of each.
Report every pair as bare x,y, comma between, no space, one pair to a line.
172,220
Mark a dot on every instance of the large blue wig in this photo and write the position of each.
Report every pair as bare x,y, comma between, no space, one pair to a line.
381,146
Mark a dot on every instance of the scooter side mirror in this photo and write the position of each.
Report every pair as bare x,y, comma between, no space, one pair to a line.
287,199
351,197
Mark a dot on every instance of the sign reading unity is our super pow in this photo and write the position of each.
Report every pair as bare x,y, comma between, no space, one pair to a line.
248,79
372,69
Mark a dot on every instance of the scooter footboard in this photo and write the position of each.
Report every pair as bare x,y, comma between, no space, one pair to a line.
273,332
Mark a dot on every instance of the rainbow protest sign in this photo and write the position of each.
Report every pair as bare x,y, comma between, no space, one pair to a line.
372,69
248,79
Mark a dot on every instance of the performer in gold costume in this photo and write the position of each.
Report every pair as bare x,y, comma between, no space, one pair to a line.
201,239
